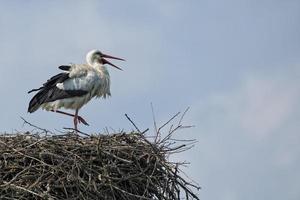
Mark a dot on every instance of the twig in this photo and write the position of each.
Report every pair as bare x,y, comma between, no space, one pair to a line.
168,121
24,189
15,177
73,129
39,128
154,122
133,123
184,113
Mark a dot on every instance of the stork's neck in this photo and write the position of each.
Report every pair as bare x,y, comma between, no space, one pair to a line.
101,68
93,62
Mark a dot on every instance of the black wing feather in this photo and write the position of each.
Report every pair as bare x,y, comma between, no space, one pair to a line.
59,78
49,92
65,67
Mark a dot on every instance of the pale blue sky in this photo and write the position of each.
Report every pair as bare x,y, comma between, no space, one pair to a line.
236,63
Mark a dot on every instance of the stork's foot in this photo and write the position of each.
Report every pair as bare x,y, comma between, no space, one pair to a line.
81,120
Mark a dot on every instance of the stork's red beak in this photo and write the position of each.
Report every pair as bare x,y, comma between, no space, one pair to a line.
111,57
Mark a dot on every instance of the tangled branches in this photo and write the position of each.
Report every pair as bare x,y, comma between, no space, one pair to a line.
114,166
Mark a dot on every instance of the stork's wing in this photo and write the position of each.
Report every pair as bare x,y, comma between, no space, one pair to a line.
50,92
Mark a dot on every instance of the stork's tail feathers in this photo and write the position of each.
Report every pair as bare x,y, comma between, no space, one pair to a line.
33,108
52,94
36,101
45,91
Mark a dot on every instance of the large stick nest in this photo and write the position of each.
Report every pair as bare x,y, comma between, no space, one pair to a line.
111,166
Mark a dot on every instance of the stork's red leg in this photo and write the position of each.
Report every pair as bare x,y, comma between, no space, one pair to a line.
79,118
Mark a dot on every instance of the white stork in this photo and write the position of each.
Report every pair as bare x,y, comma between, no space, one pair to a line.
74,87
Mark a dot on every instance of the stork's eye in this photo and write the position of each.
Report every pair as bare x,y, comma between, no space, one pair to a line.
98,53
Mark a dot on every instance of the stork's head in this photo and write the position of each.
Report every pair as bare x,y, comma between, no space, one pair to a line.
97,57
